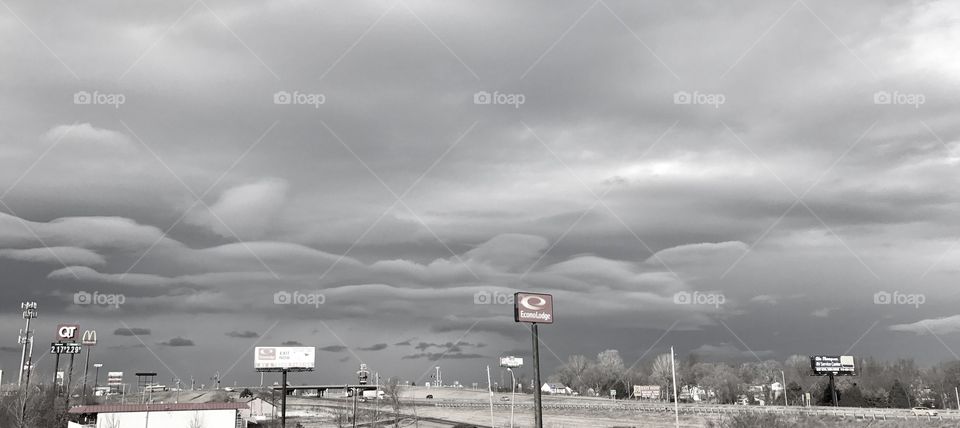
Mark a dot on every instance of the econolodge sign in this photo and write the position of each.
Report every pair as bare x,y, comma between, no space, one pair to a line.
533,308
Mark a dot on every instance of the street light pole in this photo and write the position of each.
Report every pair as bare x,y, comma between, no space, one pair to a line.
96,379
513,394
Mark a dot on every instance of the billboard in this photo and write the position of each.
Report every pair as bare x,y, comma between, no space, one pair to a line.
533,308
651,392
114,378
837,365
284,358
67,332
512,362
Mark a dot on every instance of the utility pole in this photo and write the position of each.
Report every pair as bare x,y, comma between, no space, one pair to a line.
26,360
96,379
26,338
676,399
785,404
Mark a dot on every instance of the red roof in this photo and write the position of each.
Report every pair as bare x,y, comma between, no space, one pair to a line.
171,407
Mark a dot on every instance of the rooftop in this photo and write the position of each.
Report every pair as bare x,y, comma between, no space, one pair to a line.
168,407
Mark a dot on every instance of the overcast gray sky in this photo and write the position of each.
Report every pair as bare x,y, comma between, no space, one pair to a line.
785,160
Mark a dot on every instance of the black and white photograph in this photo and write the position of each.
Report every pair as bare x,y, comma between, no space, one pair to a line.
496,214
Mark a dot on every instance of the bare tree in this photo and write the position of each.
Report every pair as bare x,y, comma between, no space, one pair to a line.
392,390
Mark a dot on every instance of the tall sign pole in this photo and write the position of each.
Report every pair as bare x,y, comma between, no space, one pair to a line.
283,399
534,308
89,340
537,390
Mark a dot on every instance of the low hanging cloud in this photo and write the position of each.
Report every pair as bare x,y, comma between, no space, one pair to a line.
55,255
291,343
133,331
247,210
333,348
436,356
375,347
243,334
945,325
177,342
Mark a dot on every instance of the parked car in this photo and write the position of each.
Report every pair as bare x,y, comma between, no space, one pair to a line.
430,396
923,411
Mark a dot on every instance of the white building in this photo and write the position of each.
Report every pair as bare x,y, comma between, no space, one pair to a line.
258,410
206,415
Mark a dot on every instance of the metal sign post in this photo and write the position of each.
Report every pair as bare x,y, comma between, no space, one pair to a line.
89,340
534,308
283,399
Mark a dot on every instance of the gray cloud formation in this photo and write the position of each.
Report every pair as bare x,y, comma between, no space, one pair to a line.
200,198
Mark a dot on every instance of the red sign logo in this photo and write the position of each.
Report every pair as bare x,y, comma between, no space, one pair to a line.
67,332
267,353
533,308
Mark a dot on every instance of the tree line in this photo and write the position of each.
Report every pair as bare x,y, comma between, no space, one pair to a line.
900,383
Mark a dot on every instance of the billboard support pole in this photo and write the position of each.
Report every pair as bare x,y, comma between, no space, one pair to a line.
537,405
86,373
283,399
56,368
69,380
833,390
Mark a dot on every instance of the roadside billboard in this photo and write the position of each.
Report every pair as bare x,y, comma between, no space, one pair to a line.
114,378
650,392
842,365
284,358
533,308
511,362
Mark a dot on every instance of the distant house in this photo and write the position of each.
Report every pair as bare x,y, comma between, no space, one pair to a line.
258,410
556,388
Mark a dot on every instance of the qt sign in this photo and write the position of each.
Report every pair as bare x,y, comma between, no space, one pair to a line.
67,332
533,308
